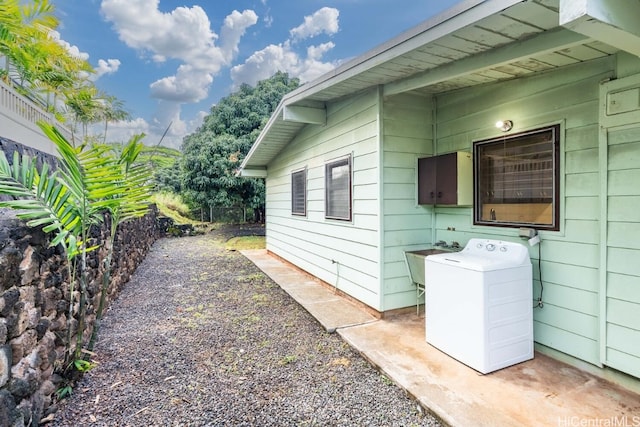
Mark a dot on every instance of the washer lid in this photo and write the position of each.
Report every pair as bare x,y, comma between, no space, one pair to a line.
485,255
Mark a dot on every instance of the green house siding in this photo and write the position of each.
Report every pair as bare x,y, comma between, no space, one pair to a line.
569,259
407,135
587,272
313,242
622,303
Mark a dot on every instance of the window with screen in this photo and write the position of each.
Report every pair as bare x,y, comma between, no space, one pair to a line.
338,189
516,180
299,192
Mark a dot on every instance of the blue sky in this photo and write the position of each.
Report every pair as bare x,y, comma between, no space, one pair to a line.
170,61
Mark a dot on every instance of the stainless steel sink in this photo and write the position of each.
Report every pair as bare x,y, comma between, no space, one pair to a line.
415,263
427,252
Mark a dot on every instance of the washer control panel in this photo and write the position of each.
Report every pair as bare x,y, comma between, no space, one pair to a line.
490,246
495,248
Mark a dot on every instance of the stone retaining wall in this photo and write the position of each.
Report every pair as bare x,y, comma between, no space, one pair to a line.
9,146
34,304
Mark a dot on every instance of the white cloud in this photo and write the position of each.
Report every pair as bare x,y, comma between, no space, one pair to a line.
268,20
198,120
109,66
167,116
312,67
233,29
324,20
141,25
188,85
316,52
122,131
183,34
266,62
72,49
167,119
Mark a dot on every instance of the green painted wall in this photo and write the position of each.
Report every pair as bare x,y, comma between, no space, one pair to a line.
568,259
407,131
620,274
387,136
312,242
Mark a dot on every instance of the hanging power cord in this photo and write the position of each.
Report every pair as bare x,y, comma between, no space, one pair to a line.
333,261
540,304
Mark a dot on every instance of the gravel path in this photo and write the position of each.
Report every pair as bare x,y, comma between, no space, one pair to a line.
201,337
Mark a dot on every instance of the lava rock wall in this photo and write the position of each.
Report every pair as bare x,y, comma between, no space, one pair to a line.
34,305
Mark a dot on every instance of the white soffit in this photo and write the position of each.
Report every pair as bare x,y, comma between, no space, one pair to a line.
473,43
614,22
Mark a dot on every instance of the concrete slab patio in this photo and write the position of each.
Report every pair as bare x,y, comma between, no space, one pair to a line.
539,392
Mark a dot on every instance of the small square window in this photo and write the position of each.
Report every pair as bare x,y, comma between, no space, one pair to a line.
299,192
338,189
517,179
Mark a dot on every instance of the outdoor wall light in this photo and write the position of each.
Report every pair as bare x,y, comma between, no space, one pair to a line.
504,125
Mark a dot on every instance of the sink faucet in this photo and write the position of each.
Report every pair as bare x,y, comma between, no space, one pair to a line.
455,245
441,243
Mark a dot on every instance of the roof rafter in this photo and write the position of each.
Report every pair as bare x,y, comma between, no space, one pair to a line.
547,42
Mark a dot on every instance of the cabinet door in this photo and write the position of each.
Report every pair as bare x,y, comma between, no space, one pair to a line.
447,179
427,181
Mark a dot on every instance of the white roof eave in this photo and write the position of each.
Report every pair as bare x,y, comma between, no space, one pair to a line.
457,17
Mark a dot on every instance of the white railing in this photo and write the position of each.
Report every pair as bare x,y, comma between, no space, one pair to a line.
18,120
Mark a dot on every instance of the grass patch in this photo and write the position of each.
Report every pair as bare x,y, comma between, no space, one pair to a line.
288,359
172,202
260,299
251,278
172,206
175,216
245,242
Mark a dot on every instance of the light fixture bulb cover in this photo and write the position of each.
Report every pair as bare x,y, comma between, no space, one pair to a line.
504,125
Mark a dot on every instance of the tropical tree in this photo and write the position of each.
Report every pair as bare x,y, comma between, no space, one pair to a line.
112,110
41,64
44,69
23,24
214,152
69,201
51,70
169,178
129,200
83,107
58,202
167,169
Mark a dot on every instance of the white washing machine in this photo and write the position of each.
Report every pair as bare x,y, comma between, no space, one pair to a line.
479,304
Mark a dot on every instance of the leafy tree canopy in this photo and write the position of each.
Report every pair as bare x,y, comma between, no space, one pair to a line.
167,166
37,65
214,152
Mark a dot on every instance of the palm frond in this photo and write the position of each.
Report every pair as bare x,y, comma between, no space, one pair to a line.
39,198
